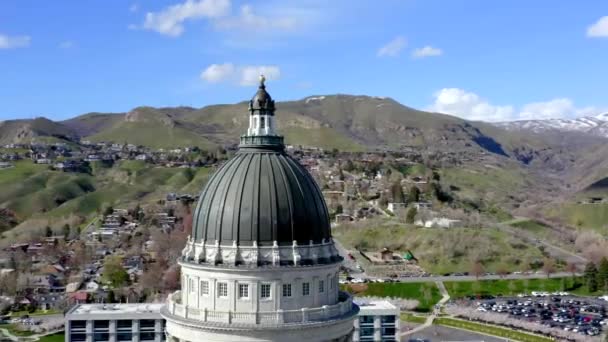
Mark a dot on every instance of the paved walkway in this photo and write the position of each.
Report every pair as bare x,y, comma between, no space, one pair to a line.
445,296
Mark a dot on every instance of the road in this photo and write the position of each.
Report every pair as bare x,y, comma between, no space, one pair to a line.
348,262
89,228
484,277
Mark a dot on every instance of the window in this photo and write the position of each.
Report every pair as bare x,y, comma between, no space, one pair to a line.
147,324
78,324
262,122
204,288
222,289
78,337
305,289
390,331
332,283
243,291
366,332
321,286
101,337
191,285
101,324
124,324
366,319
286,290
147,336
124,336
265,291
388,319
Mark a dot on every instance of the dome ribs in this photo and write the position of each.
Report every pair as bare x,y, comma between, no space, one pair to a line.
284,201
230,207
219,204
240,204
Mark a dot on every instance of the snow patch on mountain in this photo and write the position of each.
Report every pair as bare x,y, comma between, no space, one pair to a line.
595,125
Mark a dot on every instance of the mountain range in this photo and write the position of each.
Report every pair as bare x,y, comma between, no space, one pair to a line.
345,122
595,125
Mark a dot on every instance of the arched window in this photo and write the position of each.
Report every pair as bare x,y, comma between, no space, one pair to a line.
262,122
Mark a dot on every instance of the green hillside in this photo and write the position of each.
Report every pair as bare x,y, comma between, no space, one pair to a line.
35,192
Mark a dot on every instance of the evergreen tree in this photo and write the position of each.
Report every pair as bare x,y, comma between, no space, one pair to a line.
590,277
48,232
411,215
66,231
414,194
602,274
397,192
111,297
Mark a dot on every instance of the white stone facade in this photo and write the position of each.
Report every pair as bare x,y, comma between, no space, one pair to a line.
266,303
212,253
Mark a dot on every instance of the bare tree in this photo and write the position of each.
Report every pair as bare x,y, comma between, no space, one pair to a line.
477,269
548,266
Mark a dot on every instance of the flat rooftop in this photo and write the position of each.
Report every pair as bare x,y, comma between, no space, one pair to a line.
116,311
381,307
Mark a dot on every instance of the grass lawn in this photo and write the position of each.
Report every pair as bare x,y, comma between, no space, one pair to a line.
35,313
13,329
491,330
514,286
59,337
426,293
408,317
443,251
590,216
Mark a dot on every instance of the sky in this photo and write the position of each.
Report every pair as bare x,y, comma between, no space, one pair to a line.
481,60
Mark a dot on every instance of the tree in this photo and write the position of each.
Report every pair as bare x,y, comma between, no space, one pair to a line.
413,195
548,266
397,192
114,273
411,215
48,232
602,274
108,211
477,269
111,297
66,231
339,209
590,276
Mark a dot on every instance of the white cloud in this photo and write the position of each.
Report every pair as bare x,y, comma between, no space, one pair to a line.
134,8
218,72
599,29
68,44
393,48
244,75
471,106
14,42
170,20
248,20
427,51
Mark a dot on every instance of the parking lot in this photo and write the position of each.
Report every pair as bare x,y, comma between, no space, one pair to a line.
585,316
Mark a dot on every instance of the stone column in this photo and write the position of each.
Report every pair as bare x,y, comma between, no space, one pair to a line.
89,331
112,330
377,328
135,329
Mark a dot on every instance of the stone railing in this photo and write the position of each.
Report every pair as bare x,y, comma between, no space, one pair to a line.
280,317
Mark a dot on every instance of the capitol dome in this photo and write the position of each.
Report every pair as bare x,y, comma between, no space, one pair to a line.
261,195
261,264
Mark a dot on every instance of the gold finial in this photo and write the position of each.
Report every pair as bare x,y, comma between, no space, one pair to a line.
262,80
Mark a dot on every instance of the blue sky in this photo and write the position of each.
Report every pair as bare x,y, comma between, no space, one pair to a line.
479,59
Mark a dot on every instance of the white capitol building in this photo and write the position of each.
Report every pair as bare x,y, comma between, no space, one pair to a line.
261,264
